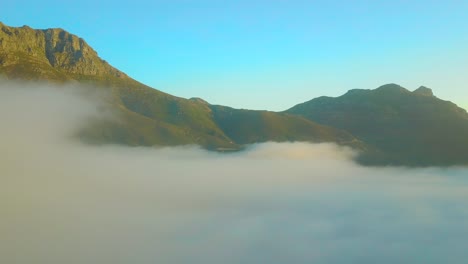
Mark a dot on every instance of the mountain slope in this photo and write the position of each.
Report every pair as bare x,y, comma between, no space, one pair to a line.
410,128
246,127
149,117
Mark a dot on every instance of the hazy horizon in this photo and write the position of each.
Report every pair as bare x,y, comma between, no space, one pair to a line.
63,201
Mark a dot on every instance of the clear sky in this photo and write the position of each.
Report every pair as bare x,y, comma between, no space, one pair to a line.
261,54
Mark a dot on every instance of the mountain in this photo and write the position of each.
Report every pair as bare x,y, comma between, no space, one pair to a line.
408,128
149,116
389,125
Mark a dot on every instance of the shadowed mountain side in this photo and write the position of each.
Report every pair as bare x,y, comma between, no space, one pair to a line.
147,116
411,128
246,126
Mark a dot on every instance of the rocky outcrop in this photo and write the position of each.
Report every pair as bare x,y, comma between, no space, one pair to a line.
423,90
53,47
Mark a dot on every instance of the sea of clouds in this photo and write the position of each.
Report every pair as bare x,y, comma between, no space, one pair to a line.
62,201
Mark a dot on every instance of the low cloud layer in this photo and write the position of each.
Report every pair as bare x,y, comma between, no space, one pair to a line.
62,201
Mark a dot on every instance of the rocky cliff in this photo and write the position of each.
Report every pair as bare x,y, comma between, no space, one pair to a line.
50,49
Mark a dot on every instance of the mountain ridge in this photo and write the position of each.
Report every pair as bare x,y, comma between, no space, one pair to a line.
411,128
389,125
150,117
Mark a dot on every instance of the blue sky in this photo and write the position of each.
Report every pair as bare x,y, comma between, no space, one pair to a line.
269,54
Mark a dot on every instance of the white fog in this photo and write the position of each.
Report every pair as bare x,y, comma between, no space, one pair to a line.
62,201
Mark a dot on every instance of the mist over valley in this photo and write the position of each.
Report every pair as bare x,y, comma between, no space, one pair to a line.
65,200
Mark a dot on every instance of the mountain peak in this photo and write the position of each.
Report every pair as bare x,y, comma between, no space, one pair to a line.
54,48
406,128
199,100
391,87
423,90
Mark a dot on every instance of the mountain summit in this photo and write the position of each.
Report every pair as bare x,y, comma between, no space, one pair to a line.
50,53
423,90
409,128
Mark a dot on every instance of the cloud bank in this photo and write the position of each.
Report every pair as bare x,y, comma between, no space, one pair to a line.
62,201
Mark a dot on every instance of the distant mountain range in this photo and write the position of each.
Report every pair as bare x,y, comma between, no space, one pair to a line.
389,125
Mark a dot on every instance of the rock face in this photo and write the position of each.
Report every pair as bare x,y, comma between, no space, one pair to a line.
54,48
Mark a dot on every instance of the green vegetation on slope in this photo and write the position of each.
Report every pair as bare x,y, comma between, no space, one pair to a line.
148,116
390,125
410,128
246,126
